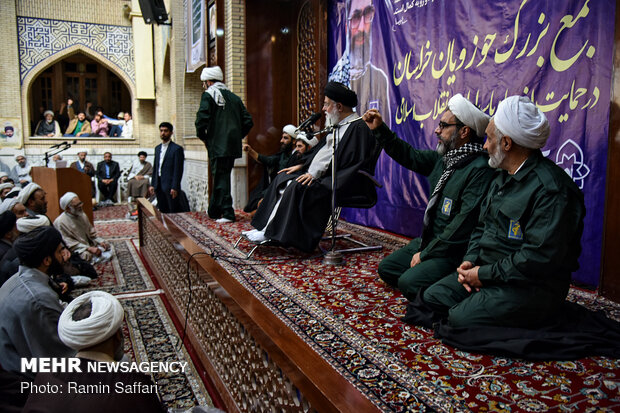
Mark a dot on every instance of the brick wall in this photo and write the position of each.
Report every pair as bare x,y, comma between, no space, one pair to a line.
10,92
90,11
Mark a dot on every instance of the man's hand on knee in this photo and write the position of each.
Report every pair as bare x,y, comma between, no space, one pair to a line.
415,260
305,179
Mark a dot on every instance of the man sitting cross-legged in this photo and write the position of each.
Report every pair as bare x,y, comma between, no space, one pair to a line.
78,233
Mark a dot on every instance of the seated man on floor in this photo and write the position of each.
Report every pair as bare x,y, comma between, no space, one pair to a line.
21,171
517,269
5,188
139,178
92,325
33,197
459,174
8,231
29,306
297,205
78,233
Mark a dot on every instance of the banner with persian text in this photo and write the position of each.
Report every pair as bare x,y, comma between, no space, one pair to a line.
407,58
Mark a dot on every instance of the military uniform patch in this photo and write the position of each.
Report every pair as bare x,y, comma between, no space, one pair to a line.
514,232
447,206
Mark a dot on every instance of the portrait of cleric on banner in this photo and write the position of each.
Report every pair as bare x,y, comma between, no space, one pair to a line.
559,54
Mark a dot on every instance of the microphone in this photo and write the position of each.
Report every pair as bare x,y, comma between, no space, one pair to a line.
58,145
310,121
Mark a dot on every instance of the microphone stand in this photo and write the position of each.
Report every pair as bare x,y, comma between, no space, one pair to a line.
333,257
56,151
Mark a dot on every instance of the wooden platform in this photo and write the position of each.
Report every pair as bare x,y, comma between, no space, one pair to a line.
255,360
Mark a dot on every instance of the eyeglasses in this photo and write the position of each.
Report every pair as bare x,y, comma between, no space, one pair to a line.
368,14
443,125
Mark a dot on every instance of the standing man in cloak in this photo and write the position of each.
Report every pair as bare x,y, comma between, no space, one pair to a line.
297,205
222,122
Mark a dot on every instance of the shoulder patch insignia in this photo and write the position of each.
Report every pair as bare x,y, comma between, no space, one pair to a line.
514,232
446,206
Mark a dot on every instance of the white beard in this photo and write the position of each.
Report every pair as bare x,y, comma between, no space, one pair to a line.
332,118
496,158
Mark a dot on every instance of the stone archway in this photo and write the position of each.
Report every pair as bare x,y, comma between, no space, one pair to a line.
42,66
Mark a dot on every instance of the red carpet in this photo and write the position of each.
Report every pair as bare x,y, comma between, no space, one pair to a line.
351,318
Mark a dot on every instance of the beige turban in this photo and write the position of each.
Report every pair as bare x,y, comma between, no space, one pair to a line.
105,319
27,191
27,224
291,130
212,73
8,204
518,118
66,199
469,114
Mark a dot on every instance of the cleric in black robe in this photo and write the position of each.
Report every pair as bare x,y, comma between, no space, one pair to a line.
298,216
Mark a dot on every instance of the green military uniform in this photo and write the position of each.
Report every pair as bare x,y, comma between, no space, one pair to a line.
452,221
222,128
527,245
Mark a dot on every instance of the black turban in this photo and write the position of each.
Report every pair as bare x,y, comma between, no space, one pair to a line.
7,222
341,94
33,247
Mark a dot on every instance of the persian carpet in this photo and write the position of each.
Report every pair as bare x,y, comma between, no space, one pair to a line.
352,319
149,331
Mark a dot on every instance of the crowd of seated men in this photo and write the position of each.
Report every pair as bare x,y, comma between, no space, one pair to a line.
71,121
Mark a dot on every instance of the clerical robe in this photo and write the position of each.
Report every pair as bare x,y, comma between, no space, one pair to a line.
78,233
139,187
302,215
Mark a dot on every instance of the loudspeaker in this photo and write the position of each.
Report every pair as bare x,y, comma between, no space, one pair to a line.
153,11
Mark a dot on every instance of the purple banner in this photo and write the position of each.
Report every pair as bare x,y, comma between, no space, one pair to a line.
407,58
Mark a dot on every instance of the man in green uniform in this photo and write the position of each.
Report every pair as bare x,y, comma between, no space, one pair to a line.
517,269
222,122
459,176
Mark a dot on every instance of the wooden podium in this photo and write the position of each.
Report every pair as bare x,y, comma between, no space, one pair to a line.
57,182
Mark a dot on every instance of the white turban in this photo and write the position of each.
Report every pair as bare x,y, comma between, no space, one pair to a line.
469,114
66,199
304,138
291,130
27,224
14,193
518,118
3,174
8,204
26,191
104,321
48,112
212,73
6,185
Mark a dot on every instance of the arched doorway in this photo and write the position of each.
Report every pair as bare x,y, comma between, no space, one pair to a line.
82,79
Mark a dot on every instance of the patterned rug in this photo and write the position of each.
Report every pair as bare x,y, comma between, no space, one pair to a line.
154,339
149,331
352,319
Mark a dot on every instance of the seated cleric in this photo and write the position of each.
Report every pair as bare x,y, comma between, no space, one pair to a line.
297,205
92,325
509,294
